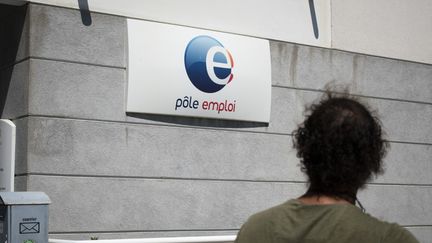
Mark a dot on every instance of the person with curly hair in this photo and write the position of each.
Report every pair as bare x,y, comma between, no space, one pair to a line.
340,145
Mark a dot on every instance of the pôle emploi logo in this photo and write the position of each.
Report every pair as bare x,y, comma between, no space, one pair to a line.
209,67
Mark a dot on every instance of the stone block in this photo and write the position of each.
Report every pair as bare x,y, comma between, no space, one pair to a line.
312,68
61,146
402,121
404,204
405,121
76,90
21,145
61,34
20,183
408,164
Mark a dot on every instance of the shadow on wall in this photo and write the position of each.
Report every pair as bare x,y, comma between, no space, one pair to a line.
12,19
199,122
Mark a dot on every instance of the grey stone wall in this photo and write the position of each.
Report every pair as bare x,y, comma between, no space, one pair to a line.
114,175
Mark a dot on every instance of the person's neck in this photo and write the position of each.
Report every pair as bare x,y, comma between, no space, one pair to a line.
321,200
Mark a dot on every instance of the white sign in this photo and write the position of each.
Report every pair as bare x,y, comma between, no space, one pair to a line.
184,71
7,155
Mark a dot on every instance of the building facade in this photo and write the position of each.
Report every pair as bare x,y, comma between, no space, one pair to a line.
112,174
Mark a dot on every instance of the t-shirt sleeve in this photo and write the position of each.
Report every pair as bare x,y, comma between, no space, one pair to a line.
398,234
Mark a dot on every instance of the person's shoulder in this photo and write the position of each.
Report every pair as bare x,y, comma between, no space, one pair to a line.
354,218
391,232
396,233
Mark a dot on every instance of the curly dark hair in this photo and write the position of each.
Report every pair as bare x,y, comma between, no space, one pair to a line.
340,145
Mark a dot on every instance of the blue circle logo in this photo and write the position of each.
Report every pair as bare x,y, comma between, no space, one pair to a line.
208,64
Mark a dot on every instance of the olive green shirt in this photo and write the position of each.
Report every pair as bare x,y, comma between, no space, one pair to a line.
295,222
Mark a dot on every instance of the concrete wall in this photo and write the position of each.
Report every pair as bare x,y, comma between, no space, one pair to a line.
113,175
